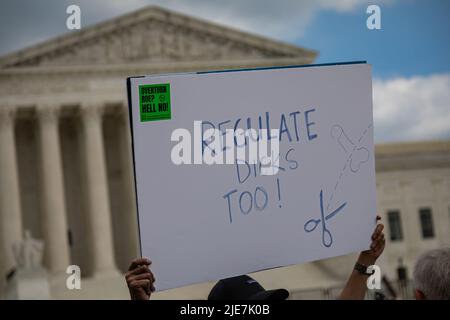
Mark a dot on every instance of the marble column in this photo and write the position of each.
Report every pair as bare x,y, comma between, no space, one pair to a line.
54,217
10,208
131,224
99,213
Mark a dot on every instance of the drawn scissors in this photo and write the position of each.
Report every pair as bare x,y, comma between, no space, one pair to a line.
310,225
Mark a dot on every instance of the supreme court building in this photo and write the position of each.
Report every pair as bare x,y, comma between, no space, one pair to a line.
65,154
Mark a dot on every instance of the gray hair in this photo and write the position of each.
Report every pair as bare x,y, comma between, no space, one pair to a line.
432,274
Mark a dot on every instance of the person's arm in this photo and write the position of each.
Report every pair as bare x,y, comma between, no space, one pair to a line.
356,286
140,279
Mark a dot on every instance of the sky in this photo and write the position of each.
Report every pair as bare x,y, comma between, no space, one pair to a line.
410,53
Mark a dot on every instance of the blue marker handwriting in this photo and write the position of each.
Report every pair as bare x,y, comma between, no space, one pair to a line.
293,127
246,201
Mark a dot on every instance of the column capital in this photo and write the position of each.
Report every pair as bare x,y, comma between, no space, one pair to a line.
48,112
92,111
7,114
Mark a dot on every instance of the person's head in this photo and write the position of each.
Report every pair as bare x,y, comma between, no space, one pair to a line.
432,275
244,288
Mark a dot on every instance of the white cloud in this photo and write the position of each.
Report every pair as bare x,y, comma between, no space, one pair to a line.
416,108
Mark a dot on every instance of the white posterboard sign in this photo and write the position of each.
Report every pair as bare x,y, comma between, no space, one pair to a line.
201,222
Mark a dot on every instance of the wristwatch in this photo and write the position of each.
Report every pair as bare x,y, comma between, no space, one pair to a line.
363,269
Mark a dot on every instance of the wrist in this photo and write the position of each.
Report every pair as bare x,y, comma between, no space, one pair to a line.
366,260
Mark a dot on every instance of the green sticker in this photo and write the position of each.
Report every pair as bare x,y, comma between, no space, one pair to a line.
154,102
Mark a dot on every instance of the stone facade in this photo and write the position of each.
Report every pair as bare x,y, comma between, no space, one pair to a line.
413,179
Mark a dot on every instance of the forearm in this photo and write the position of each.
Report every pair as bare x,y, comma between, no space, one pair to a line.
356,286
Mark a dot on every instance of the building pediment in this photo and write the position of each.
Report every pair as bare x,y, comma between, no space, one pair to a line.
152,35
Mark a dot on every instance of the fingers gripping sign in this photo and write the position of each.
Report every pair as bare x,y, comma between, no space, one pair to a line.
140,279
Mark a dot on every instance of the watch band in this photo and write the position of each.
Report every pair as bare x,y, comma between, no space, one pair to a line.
362,269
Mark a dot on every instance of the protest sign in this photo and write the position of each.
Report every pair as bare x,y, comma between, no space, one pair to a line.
205,219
